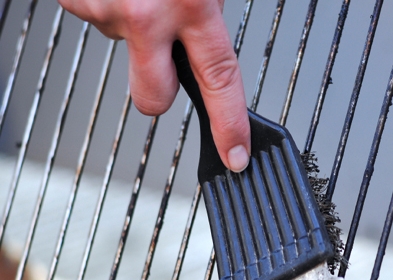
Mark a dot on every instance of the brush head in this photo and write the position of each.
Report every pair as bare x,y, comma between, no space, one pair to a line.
264,221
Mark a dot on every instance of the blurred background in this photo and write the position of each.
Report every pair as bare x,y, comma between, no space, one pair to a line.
131,148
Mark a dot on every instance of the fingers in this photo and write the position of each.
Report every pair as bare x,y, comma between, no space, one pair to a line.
150,28
217,72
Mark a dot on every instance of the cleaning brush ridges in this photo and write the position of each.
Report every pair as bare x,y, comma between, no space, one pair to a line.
264,230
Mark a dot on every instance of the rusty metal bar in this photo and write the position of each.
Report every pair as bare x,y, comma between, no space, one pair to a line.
83,154
53,40
31,121
134,197
51,156
20,47
3,14
267,54
243,26
58,131
383,242
326,79
354,98
368,172
168,189
210,266
107,178
299,59
187,232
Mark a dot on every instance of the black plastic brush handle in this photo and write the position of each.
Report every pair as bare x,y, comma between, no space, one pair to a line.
210,163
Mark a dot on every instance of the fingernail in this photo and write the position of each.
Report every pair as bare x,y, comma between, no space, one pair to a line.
238,158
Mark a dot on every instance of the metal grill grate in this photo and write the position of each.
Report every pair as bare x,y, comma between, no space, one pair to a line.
49,142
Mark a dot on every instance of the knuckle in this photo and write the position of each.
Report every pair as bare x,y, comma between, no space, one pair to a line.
139,17
232,126
219,74
193,5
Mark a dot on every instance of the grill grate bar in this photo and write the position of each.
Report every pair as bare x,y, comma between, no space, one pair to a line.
368,171
20,47
107,178
83,155
134,197
267,54
383,242
58,130
43,188
52,43
354,98
210,266
103,80
3,14
243,26
30,124
326,79
168,189
187,232
298,62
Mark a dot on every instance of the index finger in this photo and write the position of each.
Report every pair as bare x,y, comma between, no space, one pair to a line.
216,69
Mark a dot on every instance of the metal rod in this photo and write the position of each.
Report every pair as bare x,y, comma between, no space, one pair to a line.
83,154
53,40
168,189
33,113
3,14
134,197
54,145
210,266
187,232
383,242
267,54
354,98
243,26
20,47
326,79
31,119
59,128
104,189
368,172
299,59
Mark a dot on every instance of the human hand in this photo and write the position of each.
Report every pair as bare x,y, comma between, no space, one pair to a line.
149,28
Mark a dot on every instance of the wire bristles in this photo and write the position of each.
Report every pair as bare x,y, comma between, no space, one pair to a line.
327,208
